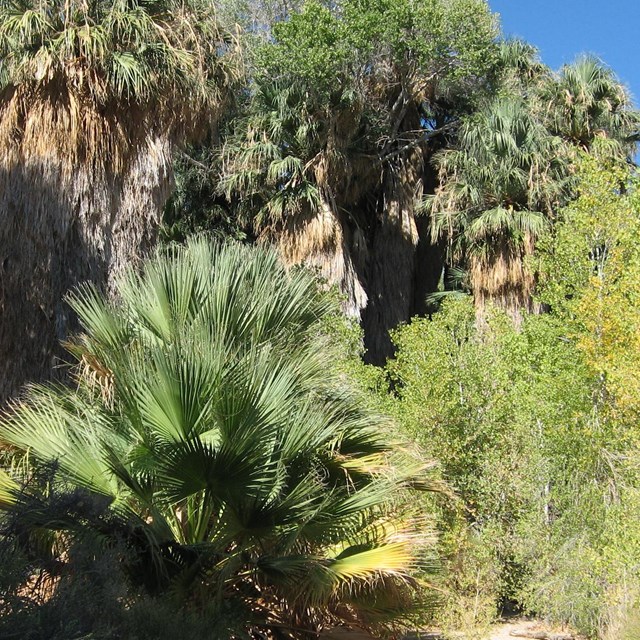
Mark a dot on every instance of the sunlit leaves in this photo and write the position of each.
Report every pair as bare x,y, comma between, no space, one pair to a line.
594,246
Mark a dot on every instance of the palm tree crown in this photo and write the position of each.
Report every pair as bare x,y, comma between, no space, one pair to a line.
110,55
587,102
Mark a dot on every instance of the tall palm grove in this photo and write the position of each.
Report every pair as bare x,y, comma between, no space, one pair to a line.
317,317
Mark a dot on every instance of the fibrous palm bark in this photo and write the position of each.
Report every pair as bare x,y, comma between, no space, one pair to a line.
63,225
392,258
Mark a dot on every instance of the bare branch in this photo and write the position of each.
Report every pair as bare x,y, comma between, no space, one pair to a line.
428,135
196,163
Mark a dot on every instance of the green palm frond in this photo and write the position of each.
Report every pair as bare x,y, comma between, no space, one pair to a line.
207,417
586,102
356,563
53,430
508,222
8,490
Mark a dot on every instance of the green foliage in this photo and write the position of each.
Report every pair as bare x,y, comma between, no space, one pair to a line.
467,418
268,162
332,89
195,206
594,245
226,454
311,45
136,52
544,474
215,448
590,277
436,40
508,159
445,40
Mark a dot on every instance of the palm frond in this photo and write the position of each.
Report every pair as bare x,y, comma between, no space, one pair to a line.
225,447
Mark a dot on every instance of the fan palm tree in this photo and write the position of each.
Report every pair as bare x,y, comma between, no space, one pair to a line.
342,132
520,68
291,167
207,416
93,96
498,190
586,102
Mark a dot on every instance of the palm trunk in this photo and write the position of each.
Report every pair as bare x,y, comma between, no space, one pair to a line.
61,226
392,262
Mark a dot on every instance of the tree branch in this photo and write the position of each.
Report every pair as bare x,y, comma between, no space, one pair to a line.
413,144
194,162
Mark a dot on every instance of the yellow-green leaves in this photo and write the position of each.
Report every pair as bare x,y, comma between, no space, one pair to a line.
591,277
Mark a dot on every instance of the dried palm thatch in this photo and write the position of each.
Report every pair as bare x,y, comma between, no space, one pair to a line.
501,275
92,100
319,239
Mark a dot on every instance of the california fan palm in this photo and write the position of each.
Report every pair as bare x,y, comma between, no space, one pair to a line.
351,90
291,168
587,103
497,192
207,416
93,96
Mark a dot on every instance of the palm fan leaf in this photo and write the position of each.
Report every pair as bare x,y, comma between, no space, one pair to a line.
225,446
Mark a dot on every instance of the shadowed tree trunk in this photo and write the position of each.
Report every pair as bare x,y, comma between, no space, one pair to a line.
87,126
392,260
430,255
63,225
430,263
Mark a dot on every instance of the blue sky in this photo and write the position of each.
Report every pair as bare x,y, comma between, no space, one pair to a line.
562,29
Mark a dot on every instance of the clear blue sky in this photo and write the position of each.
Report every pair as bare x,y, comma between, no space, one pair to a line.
562,29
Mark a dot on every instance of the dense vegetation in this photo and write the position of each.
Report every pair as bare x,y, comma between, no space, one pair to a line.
416,402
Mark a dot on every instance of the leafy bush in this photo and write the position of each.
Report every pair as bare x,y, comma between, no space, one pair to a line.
546,488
